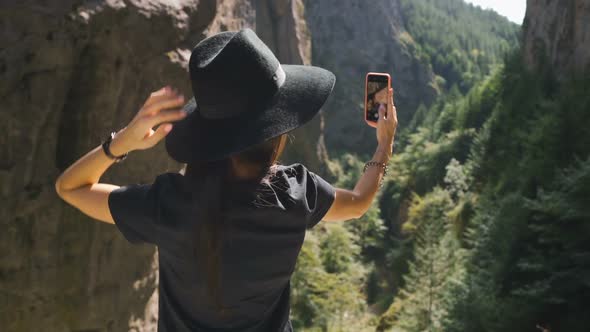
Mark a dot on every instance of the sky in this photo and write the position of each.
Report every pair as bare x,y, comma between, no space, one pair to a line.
513,9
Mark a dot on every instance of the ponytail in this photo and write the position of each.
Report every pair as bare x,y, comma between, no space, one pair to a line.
209,228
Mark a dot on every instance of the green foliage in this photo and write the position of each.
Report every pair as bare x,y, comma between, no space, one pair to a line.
306,294
463,43
331,280
370,232
347,169
555,269
420,305
326,284
369,229
520,209
456,179
338,252
422,165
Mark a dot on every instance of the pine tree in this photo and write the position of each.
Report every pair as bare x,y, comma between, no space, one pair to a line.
555,265
421,297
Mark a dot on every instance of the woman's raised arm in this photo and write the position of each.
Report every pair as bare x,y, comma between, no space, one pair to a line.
352,204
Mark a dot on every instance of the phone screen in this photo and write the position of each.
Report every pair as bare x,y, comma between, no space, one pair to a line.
376,96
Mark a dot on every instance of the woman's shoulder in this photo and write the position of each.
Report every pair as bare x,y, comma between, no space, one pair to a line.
297,174
292,169
172,183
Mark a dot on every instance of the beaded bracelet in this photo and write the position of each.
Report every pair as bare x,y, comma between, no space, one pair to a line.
376,163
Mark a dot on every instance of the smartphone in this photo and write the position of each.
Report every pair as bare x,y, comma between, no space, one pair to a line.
376,87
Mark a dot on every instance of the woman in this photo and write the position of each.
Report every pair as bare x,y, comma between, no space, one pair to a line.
230,228
377,100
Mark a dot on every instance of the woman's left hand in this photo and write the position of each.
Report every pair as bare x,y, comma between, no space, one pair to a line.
160,108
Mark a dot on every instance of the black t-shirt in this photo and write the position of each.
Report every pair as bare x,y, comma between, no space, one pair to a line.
258,255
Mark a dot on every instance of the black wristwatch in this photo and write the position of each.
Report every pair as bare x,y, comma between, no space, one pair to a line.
106,148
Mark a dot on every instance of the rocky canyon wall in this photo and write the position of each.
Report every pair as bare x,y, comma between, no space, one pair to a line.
558,30
71,72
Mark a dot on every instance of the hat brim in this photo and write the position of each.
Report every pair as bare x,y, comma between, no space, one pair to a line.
198,139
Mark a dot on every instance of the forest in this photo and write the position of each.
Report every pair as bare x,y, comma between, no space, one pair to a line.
482,222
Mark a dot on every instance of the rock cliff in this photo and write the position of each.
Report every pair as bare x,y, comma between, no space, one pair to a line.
72,71
559,31
352,38
281,24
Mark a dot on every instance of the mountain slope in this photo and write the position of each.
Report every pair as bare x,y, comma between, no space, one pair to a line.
461,41
351,38
411,40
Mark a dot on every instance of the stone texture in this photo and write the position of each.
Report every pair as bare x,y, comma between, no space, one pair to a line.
352,38
233,15
72,71
560,31
282,26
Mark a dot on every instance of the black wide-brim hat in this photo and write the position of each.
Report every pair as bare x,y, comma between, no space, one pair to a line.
243,96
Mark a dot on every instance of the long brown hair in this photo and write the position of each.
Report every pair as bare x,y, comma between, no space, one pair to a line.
210,183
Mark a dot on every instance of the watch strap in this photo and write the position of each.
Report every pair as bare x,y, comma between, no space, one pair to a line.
106,148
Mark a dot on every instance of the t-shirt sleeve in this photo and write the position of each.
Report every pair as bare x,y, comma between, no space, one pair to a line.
320,195
134,209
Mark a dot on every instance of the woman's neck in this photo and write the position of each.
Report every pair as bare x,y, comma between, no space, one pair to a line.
244,171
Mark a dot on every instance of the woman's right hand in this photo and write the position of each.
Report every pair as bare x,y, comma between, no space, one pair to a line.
161,108
387,123
352,204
